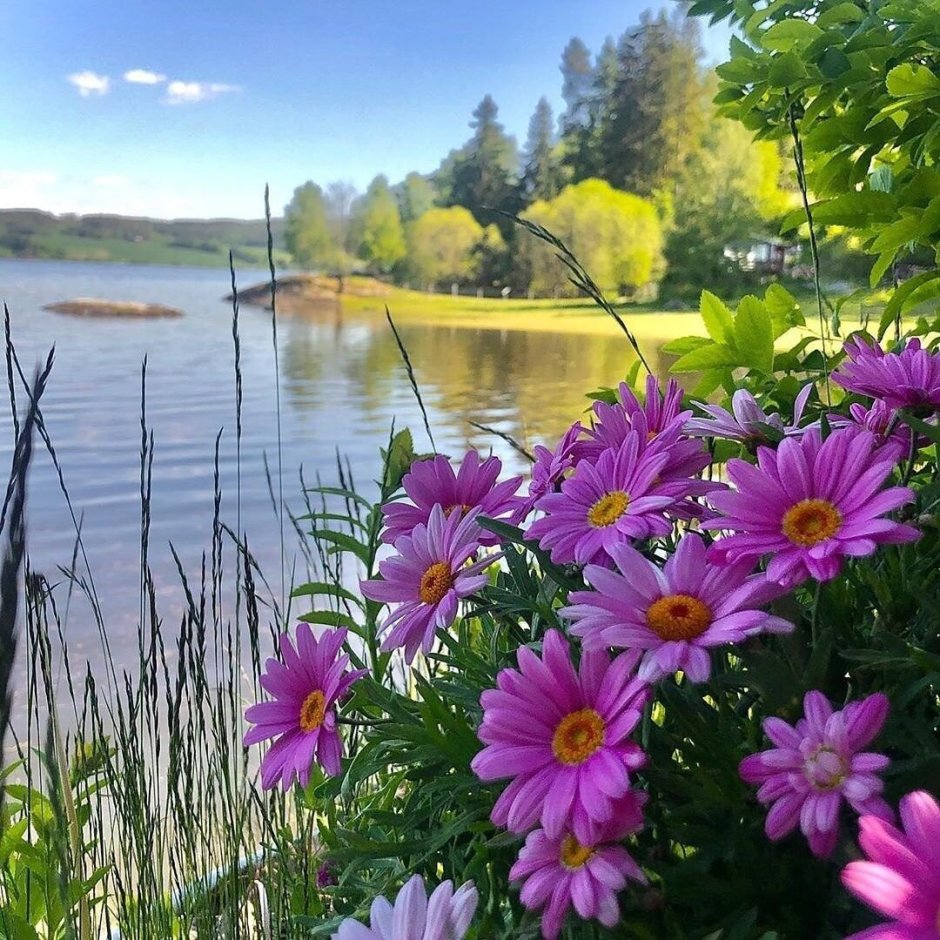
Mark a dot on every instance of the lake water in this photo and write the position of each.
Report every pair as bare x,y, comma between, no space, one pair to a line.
342,383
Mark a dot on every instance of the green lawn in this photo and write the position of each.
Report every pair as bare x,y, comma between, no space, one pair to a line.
564,316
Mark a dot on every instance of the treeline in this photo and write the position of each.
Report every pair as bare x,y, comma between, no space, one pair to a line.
639,176
28,233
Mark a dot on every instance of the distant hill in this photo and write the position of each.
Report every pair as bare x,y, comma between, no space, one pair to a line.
29,233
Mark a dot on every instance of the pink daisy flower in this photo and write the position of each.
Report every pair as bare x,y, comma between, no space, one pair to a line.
818,764
614,422
302,716
675,613
809,503
660,427
445,915
562,872
427,579
901,879
747,422
657,413
893,437
433,482
571,758
906,379
602,505
549,469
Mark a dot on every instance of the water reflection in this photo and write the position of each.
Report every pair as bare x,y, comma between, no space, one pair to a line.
530,385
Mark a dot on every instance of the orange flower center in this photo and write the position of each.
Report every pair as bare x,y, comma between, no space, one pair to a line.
678,617
462,508
578,736
811,521
312,711
573,855
608,509
436,582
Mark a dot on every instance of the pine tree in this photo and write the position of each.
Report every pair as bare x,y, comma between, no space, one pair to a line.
655,117
577,76
482,173
542,177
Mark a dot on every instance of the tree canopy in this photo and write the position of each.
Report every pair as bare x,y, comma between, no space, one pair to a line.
441,245
382,236
307,228
615,235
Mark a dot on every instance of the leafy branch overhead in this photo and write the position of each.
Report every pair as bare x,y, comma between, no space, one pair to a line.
860,81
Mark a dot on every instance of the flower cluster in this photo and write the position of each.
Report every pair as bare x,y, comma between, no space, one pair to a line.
570,767
671,568
434,536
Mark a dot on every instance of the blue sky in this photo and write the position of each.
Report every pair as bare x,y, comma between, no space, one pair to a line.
221,96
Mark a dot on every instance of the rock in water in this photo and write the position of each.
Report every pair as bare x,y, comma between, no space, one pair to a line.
93,307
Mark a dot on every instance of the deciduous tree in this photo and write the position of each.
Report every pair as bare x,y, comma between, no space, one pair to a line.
382,239
441,245
615,235
307,229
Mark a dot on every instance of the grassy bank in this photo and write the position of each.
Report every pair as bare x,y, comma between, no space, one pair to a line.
581,316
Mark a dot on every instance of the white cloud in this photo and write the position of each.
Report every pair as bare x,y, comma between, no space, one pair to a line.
178,92
90,83
143,77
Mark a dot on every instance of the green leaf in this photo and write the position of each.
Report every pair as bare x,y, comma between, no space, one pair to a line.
345,542
332,619
840,13
786,69
783,36
717,318
715,356
909,80
880,266
313,588
903,297
709,381
754,334
855,209
401,454
685,344
834,62
899,233
783,308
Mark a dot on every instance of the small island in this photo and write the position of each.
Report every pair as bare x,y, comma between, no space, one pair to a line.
296,291
94,307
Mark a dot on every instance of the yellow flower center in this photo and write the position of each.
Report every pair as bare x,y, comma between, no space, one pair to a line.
678,617
573,855
811,521
608,509
578,736
436,582
463,508
312,711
